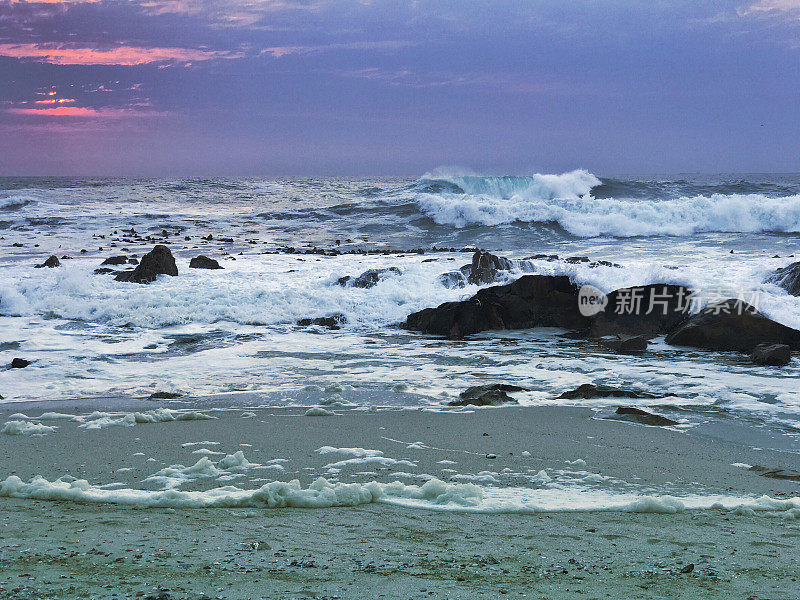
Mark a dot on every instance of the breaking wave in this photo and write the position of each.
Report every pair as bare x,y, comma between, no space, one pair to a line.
15,202
568,200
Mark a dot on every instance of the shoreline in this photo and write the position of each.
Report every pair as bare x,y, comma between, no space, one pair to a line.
424,443
59,549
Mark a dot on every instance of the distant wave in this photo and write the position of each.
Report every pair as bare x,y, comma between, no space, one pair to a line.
566,199
15,202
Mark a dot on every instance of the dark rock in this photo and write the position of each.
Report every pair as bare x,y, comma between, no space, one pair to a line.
334,321
775,473
628,413
486,267
164,396
51,263
590,390
688,568
203,262
530,301
159,261
104,270
367,279
647,310
771,355
627,344
115,260
19,363
788,278
487,395
732,325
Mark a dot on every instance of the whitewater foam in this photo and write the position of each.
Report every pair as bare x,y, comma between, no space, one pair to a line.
566,200
26,428
433,494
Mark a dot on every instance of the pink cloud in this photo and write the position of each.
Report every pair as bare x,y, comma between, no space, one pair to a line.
54,1
84,112
123,55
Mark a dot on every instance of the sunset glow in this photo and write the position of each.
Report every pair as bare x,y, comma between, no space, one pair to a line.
122,56
400,86
77,111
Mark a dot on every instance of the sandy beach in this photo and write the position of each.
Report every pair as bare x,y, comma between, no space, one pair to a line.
86,549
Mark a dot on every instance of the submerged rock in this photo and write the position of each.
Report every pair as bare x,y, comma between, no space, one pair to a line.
788,278
629,413
19,363
487,395
628,344
334,321
530,301
732,325
453,279
164,396
204,262
51,263
367,279
588,391
775,473
772,355
646,310
159,261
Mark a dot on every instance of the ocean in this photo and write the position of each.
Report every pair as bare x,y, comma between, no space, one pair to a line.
231,336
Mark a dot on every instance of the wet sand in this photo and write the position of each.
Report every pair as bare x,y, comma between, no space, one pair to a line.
57,549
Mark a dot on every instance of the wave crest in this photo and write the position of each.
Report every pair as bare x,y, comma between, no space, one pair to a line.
15,202
566,199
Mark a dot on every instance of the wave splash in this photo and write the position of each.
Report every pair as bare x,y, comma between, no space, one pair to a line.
566,199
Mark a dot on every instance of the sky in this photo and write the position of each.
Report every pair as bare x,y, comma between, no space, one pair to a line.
398,87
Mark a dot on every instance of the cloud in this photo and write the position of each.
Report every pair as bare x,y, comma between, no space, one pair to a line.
85,112
779,8
53,1
494,83
384,45
61,54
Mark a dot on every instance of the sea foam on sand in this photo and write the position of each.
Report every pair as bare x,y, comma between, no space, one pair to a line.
434,494
26,428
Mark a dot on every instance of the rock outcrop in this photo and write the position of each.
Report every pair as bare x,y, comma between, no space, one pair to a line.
486,267
487,395
788,278
367,279
732,325
771,355
203,262
647,310
333,322
626,344
637,415
530,301
115,260
588,391
51,263
159,261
